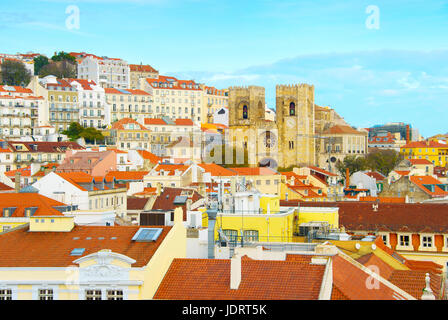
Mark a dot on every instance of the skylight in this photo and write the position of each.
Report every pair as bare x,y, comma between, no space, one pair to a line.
77,252
147,234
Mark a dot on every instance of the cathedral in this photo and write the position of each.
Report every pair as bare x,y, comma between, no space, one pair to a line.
287,141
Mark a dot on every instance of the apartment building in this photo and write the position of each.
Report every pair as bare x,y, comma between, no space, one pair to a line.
62,100
92,103
165,131
139,71
175,98
105,71
433,151
55,259
129,134
130,103
338,142
84,191
18,154
19,111
213,101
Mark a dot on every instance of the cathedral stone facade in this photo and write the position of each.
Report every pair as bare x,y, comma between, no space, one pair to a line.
288,141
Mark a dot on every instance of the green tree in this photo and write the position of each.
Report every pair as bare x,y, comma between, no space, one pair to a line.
61,56
14,73
383,161
39,62
353,163
60,69
74,131
92,135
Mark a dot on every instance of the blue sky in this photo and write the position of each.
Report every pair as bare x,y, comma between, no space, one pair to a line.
398,72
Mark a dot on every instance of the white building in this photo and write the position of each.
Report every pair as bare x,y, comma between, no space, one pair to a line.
175,98
19,111
82,190
92,103
107,72
135,104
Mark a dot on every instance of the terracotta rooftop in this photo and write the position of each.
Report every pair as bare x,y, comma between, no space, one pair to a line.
395,217
136,203
21,201
127,175
21,248
209,279
340,129
257,171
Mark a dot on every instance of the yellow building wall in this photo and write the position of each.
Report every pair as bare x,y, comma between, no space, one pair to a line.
51,224
432,154
272,202
270,227
173,246
10,224
331,217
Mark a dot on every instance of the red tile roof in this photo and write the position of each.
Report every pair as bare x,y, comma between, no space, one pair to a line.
257,171
216,170
425,144
420,161
350,280
120,124
413,282
395,217
21,248
322,171
170,168
149,156
44,146
421,181
21,201
341,129
376,175
141,68
4,187
209,279
127,175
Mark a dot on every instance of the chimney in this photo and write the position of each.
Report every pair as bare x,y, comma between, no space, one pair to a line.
347,178
235,272
427,292
211,212
17,181
189,203
159,188
408,138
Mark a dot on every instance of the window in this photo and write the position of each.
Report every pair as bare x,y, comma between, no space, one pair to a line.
114,294
93,294
427,241
250,235
5,294
45,294
245,113
232,235
404,241
384,237
292,109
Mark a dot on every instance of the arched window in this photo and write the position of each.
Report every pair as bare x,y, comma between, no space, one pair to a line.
292,109
244,112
